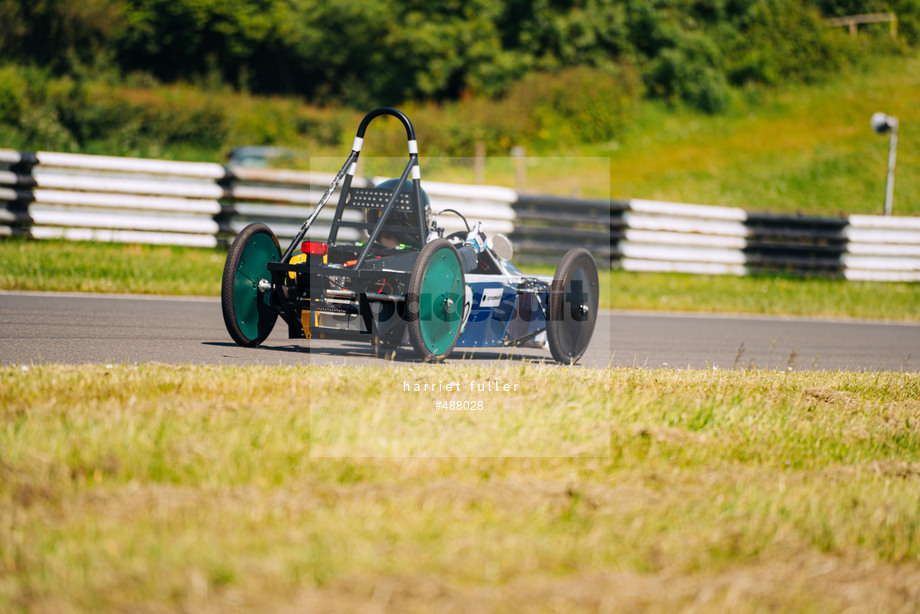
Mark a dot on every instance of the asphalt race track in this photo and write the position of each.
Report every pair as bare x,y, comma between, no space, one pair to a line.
110,329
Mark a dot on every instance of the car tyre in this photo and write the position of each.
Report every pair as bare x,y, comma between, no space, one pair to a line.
248,310
573,303
435,301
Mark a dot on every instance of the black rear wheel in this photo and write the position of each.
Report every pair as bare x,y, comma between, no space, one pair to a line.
389,326
245,294
573,303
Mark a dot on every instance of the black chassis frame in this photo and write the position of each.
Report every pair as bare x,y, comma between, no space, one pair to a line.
310,290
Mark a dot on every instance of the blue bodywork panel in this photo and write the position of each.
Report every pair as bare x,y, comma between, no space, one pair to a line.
500,315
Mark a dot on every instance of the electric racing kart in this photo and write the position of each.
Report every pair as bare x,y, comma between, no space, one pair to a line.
416,292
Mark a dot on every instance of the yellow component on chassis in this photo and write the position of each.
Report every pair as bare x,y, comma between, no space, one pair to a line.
305,321
306,314
296,260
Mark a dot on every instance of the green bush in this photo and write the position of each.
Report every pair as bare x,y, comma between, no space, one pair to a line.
137,122
13,93
778,41
586,105
40,128
545,110
28,118
692,72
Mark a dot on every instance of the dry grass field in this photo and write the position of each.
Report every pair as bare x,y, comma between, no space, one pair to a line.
156,488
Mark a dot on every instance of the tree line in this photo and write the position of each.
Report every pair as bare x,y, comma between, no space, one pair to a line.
362,53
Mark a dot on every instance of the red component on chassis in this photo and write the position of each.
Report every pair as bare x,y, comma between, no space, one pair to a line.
314,248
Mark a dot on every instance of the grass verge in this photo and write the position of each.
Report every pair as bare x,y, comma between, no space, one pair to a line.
794,149
184,488
95,267
66,266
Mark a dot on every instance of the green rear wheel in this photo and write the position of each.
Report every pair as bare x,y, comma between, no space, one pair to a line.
435,301
247,307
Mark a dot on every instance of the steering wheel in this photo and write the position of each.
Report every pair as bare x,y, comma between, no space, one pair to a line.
459,234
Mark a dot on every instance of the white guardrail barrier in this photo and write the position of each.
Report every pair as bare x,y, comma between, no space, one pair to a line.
48,195
102,198
676,237
881,248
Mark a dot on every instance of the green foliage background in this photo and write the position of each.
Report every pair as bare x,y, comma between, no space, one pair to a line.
139,77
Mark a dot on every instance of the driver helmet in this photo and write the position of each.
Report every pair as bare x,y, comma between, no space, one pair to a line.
402,218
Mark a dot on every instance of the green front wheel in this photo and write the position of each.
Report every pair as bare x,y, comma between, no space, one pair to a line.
435,301
245,294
